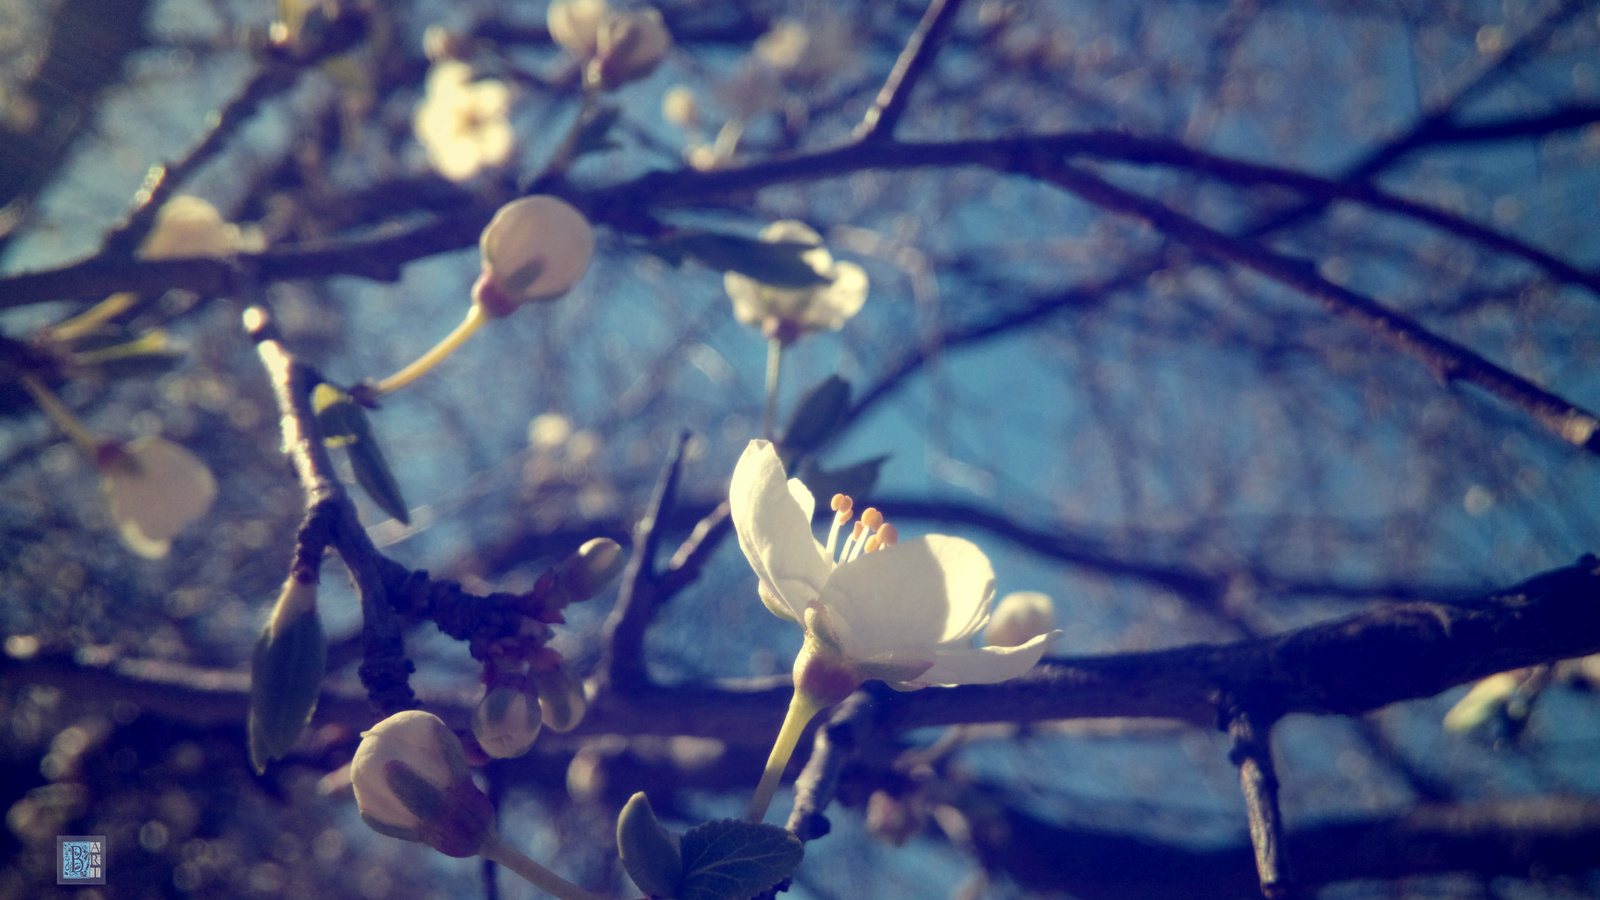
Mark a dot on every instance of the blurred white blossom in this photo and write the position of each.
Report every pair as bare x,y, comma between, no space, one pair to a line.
154,489
188,226
789,313
613,47
464,125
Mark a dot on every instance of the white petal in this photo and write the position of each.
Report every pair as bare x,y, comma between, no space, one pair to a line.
790,231
835,304
924,591
960,664
156,492
774,532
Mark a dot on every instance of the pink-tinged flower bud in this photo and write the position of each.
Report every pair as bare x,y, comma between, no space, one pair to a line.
575,25
411,782
504,722
535,249
1019,618
628,47
154,489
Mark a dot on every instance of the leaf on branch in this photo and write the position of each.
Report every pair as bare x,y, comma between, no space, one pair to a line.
852,481
780,264
817,417
729,859
343,423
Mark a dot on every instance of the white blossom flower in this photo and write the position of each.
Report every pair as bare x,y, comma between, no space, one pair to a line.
875,608
535,249
188,226
464,125
154,489
504,722
904,612
788,313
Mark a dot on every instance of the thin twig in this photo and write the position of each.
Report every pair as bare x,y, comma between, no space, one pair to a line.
1258,780
919,52
622,661
836,743
1446,359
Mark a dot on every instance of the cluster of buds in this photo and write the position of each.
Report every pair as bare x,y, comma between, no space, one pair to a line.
613,47
527,686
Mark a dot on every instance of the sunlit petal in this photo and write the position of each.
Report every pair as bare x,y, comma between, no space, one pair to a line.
954,664
774,532
926,590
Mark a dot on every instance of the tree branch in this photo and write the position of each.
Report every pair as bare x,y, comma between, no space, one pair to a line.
919,52
1446,359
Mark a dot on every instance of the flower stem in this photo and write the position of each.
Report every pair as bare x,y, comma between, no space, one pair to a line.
774,365
63,417
802,708
495,849
476,316
90,319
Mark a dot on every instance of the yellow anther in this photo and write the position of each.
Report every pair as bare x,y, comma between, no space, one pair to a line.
841,504
888,536
872,518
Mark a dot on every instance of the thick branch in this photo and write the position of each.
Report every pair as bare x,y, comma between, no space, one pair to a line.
1351,666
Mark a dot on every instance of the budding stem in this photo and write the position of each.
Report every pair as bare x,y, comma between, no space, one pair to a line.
774,364
476,316
63,417
495,849
802,708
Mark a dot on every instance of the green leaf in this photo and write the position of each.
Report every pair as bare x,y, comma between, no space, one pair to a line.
776,263
343,423
856,481
817,416
594,132
729,859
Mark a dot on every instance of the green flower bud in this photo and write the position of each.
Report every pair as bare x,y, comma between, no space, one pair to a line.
411,781
504,722
562,702
286,673
649,851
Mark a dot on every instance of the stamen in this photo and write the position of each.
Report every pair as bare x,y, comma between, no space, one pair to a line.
888,535
848,552
872,544
841,514
872,520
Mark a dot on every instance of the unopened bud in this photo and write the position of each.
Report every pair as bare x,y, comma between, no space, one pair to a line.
562,702
534,250
411,782
680,107
574,24
504,722
648,850
1019,618
286,674
628,47
589,569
